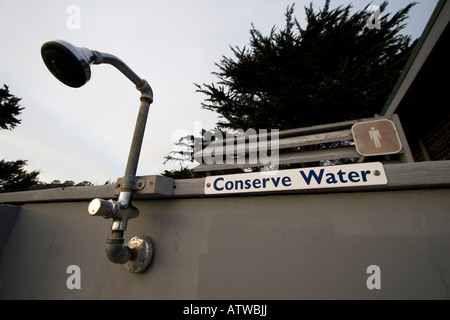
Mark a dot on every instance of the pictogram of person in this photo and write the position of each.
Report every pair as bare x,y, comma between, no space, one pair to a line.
375,137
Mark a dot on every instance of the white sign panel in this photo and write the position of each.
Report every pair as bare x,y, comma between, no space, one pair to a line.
341,176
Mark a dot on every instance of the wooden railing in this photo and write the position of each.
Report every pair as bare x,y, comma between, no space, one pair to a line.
292,146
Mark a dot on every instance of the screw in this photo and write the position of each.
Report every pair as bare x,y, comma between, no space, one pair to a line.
208,185
376,172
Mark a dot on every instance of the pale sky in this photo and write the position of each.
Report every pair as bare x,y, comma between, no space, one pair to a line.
85,133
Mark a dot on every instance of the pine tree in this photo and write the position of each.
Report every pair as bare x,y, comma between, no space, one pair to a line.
13,176
9,109
334,69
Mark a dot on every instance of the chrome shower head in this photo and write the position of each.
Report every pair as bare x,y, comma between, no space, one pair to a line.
69,64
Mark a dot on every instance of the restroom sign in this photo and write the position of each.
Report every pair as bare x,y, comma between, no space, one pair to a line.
376,137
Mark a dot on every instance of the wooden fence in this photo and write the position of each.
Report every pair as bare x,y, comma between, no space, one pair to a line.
295,146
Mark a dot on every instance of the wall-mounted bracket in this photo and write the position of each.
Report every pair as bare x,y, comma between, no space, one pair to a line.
153,185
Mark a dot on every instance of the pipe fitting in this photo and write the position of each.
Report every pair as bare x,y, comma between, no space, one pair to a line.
146,92
116,251
124,199
120,211
137,254
105,208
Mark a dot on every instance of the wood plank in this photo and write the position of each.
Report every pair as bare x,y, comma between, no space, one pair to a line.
286,158
406,154
219,149
288,139
304,130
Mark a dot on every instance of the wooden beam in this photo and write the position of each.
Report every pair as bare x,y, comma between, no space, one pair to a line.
405,154
285,158
219,149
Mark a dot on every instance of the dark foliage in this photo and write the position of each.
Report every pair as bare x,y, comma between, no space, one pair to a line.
333,70
13,176
9,109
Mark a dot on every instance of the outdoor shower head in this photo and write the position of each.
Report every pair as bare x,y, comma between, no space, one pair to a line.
69,64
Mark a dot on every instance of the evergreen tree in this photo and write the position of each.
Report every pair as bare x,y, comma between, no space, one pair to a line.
13,176
182,173
334,69
9,109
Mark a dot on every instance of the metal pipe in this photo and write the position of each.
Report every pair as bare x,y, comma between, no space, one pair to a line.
111,59
115,250
136,143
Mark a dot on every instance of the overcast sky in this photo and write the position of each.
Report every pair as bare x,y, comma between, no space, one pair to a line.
85,133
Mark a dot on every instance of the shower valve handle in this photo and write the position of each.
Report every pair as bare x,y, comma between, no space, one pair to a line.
104,208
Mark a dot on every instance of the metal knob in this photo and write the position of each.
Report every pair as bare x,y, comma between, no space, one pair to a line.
104,208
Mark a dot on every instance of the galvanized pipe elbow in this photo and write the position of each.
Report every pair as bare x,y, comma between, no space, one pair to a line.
137,254
116,251
146,91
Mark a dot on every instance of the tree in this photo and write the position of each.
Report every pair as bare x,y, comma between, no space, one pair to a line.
58,184
9,109
84,184
334,69
182,173
184,149
13,176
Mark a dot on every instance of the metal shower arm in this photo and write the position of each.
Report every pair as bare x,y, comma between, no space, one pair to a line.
101,57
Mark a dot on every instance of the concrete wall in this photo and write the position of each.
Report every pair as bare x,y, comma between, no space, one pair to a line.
304,246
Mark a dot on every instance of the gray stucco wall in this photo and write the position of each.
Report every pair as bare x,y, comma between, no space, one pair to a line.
305,246
8,215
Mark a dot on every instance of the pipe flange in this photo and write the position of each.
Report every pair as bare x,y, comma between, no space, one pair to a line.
141,254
